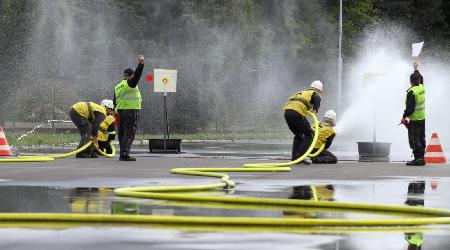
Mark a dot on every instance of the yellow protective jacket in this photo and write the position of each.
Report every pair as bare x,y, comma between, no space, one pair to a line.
301,101
419,109
127,97
82,109
325,131
93,112
106,128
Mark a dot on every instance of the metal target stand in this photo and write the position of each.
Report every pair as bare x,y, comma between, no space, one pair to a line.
374,151
165,81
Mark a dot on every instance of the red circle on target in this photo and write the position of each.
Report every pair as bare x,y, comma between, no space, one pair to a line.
149,77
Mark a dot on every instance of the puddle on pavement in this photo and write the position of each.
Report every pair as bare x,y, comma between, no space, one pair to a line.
428,193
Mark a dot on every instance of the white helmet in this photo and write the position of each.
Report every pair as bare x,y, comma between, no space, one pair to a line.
108,103
330,114
317,85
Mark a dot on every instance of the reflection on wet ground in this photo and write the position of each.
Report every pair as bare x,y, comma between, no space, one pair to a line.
410,192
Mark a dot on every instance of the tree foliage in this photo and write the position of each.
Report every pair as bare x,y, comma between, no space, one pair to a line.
429,19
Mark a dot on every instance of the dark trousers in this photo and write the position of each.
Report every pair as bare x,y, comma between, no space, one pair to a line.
325,157
128,119
416,137
303,133
84,127
104,145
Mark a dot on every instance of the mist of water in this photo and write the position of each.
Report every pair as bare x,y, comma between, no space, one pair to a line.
223,79
376,92
231,77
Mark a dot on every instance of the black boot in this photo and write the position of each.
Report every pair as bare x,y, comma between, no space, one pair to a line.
411,163
420,162
126,158
82,155
416,162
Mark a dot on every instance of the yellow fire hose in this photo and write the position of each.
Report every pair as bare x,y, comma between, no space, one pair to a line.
113,153
59,156
301,158
318,151
27,159
410,216
42,158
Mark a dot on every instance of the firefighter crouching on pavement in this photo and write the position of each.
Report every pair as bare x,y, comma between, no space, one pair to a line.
88,116
295,111
415,111
107,130
326,136
127,101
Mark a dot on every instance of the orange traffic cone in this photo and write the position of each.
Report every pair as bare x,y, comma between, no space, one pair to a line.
434,152
4,147
434,185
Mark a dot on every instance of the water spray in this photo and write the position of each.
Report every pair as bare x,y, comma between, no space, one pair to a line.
40,125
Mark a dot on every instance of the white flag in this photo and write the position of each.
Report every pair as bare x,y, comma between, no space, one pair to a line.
416,48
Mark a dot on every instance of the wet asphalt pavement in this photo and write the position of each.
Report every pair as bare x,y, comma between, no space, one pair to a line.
84,186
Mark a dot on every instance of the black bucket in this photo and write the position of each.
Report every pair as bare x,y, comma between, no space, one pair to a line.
374,151
157,145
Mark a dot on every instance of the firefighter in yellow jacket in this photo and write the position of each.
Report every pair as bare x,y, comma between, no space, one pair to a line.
326,136
295,111
127,101
106,134
88,116
107,130
415,112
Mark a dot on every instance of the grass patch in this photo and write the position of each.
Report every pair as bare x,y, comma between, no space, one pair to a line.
42,139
